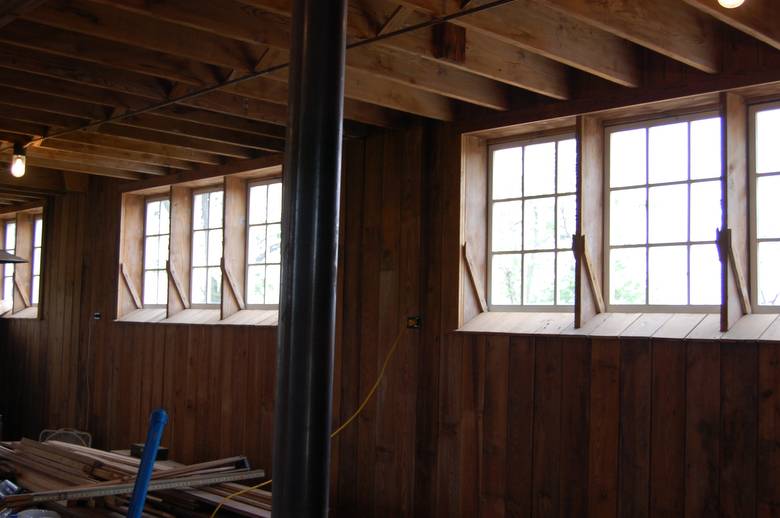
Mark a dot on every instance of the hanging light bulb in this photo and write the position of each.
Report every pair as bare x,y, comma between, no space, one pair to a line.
731,4
19,161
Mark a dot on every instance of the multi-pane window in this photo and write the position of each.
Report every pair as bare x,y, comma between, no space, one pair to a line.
36,259
8,269
664,208
157,226
264,242
767,207
207,247
532,220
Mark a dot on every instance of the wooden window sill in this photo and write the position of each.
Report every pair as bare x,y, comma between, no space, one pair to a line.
247,317
695,326
31,312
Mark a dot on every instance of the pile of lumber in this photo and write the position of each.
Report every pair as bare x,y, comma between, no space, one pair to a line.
80,481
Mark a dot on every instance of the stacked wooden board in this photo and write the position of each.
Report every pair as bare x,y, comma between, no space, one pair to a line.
80,481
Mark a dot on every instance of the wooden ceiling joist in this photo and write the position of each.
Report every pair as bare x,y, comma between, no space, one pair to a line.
64,156
47,103
757,18
34,162
118,153
10,10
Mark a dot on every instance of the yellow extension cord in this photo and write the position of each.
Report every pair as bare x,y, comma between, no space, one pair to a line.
338,430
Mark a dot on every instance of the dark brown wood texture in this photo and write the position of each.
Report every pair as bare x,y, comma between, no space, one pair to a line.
464,425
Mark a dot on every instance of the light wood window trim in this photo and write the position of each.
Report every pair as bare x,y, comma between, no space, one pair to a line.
21,304
207,190
246,265
142,289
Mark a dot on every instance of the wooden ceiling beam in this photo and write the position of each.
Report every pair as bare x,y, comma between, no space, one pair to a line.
669,27
539,29
34,164
106,22
173,139
30,35
115,153
61,155
21,128
49,103
19,113
757,18
10,10
220,120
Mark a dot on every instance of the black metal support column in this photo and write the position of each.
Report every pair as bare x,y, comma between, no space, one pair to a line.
307,307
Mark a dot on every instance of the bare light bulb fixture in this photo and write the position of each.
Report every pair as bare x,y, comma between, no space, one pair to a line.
731,4
18,161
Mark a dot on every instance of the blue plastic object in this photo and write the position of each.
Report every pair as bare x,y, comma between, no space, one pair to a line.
157,422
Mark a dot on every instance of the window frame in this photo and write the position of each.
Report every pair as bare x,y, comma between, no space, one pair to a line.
248,226
648,123
9,266
207,190
524,141
144,236
36,218
753,240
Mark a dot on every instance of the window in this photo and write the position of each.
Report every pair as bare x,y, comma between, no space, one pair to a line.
664,207
36,264
766,222
264,241
532,220
8,269
207,247
157,223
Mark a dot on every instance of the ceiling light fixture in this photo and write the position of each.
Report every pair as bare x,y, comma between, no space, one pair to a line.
19,161
731,4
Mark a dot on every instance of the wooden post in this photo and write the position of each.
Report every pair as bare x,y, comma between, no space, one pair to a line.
180,250
589,239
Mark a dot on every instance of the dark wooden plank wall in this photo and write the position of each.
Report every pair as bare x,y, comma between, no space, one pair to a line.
477,425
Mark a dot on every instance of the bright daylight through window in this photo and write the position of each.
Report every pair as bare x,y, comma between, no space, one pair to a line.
36,265
767,207
207,247
156,239
664,207
264,252
8,269
532,218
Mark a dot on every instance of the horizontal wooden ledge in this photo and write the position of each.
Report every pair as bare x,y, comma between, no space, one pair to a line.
676,326
31,312
245,317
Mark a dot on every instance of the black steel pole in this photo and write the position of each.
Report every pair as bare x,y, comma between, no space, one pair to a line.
307,306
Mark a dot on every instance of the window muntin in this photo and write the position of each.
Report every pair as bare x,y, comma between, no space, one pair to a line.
264,242
8,269
766,212
531,222
206,282
157,224
35,287
663,200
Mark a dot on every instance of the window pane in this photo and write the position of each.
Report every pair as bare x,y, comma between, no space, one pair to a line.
507,233
668,212
199,248
539,279
38,239
627,276
627,216
705,275
150,287
539,169
215,209
275,202
255,289
10,236
768,207
36,261
215,247
151,253
257,247
162,252
165,216
566,220
506,279
706,211
199,285
272,284
152,218
508,173
668,155
767,150
274,237
214,285
627,152
769,274
8,292
705,148
539,224
567,165
565,278
668,276
200,207
257,205
36,288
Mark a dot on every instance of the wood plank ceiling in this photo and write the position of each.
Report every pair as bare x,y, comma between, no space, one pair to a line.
132,73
